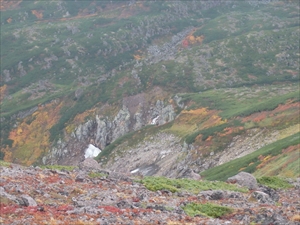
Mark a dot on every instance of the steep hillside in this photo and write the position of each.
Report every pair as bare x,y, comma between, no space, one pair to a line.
161,87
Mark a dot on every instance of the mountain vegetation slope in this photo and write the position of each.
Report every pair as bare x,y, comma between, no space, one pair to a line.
161,87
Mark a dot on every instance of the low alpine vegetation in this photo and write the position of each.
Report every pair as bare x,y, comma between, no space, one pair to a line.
274,182
97,175
176,185
58,167
208,209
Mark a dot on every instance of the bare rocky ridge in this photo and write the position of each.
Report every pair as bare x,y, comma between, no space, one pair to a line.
154,156
42,196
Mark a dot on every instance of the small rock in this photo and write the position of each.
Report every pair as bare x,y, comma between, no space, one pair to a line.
213,195
271,192
123,204
262,197
40,208
80,177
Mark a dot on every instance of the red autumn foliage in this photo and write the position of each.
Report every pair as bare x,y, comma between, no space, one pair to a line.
135,199
65,208
185,43
8,209
111,209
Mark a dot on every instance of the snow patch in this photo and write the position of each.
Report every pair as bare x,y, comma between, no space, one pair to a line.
134,171
155,121
91,151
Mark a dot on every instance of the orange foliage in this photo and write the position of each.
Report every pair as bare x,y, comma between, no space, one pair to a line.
191,39
265,160
38,13
291,148
230,130
278,113
284,107
137,57
9,4
296,218
200,111
213,120
202,117
31,137
3,91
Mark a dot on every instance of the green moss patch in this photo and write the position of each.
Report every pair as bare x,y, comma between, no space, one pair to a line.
58,167
3,163
97,175
210,210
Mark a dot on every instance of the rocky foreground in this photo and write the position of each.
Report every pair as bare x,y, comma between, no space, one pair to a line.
89,195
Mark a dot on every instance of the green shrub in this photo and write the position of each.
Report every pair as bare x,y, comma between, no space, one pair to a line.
205,133
210,210
176,185
274,182
96,175
58,167
3,163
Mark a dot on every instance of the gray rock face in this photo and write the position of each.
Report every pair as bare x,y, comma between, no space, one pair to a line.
6,74
244,179
189,173
121,123
155,156
26,200
81,177
163,113
4,194
102,131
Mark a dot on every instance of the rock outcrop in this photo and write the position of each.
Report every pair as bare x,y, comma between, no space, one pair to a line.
244,179
101,131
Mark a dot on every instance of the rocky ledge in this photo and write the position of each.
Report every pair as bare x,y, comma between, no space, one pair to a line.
91,195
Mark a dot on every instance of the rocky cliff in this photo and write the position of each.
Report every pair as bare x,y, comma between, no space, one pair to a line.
102,131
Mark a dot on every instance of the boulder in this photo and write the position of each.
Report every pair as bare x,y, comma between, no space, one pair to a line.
89,164
26,200
244,179
118,176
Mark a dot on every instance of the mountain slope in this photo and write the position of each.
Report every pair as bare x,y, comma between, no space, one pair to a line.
210,74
